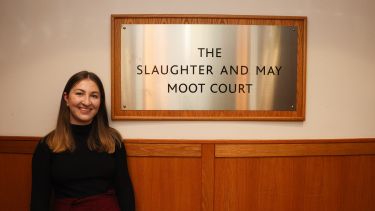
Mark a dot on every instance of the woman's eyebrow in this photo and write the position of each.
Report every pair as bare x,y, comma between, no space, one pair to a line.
93,92
79,90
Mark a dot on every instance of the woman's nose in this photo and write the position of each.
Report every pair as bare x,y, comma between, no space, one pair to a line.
86,100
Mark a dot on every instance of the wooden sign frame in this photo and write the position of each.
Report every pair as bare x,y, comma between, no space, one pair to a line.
118,114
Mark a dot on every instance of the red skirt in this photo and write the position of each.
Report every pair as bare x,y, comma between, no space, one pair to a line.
102,202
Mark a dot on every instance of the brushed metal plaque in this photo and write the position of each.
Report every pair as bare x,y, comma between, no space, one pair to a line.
208,67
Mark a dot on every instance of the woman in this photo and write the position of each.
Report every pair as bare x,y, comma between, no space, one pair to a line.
82,163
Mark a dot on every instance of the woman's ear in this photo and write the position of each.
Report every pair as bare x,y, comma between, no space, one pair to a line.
66,98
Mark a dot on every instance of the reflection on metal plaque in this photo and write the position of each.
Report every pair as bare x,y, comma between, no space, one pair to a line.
208,67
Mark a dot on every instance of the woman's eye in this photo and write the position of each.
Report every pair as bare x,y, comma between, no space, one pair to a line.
95,96
79,93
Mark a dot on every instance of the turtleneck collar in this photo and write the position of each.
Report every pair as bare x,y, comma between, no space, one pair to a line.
81,129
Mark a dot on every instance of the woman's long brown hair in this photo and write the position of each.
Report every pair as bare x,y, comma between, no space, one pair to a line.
102,138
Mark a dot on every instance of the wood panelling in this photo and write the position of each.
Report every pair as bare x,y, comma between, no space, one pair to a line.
17,144
230,175
208,175
178,150
166,183
15,181
326,183
267,150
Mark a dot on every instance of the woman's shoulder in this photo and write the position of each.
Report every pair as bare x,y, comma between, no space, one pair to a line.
116,136
43,143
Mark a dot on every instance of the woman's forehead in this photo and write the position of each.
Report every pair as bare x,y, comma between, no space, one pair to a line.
86,85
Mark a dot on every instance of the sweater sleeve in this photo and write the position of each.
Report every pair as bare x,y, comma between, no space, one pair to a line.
41,178
122,183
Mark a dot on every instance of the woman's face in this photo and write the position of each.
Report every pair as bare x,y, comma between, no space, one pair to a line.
83,101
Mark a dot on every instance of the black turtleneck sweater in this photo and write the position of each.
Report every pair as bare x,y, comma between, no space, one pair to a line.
79,173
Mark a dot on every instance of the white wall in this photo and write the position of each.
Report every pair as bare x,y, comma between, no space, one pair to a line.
43,42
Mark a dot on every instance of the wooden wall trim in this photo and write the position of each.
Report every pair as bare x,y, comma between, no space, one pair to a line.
281,150
223,148
208,175
244,141
18,144
174,150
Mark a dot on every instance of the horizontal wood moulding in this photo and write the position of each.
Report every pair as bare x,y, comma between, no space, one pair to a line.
175,150
280,150
222,148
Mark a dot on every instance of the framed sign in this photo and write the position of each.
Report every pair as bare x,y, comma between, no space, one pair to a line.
208,67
